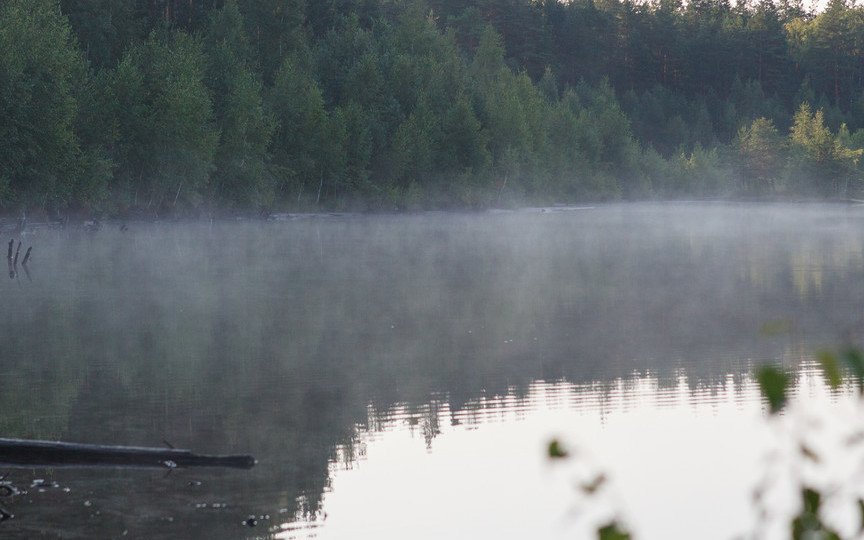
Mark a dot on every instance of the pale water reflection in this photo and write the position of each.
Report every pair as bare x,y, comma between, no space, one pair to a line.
680,458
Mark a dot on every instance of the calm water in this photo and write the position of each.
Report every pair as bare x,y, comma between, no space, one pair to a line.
400,376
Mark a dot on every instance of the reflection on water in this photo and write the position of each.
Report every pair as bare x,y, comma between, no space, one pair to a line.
400,374
682,457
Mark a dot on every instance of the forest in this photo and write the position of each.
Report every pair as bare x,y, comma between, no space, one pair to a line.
199,107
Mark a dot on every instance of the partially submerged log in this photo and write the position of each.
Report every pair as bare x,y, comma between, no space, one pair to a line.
27,453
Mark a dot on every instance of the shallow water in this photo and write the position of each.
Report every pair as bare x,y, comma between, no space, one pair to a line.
400,376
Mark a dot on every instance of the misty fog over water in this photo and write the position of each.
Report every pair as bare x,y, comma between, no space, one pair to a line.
388,369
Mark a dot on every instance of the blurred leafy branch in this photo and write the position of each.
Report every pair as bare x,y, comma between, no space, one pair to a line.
609,530
838,368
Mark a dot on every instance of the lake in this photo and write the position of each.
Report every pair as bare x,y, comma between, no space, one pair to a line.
400,376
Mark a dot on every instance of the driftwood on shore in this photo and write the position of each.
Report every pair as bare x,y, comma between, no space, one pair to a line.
29,453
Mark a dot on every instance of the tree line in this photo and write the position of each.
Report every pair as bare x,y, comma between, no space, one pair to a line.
158,107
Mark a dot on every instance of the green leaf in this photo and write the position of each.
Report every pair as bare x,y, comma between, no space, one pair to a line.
556,450
812,500
612,531
808,524
774,383
861,514
830,368
855,360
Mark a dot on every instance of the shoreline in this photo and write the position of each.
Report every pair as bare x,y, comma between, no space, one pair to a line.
12,223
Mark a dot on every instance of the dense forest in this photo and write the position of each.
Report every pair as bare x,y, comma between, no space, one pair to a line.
166,107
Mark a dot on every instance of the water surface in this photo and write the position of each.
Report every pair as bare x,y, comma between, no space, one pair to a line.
399,376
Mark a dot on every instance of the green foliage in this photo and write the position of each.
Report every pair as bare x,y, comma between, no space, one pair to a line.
274,103
105,28
167,135
854,359
355,140
301,134
612,531
830,368
833,363
245,127
548,86
762,151
808,524
276,30
667,120
774,385
809,454
811,135
488,63
822,154
703,170
861,515
413,145
556,450
464,142
40,70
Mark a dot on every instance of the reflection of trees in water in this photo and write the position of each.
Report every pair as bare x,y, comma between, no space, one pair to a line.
278,340
601,397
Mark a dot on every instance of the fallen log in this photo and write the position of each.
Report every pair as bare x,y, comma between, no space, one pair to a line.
28,453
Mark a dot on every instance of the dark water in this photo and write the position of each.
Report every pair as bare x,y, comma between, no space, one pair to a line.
398,376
